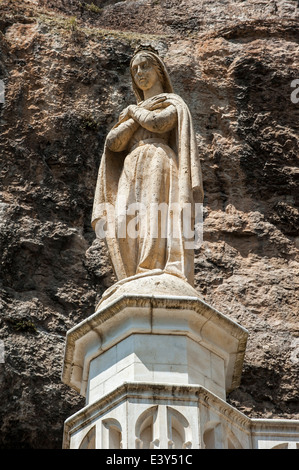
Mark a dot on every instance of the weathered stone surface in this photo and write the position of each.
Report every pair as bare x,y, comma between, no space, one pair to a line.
233,63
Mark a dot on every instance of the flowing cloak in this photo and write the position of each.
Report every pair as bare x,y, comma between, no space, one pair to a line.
190,189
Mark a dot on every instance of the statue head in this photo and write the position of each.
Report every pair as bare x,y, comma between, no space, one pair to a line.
151,55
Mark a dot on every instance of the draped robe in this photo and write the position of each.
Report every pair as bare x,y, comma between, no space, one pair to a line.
159,165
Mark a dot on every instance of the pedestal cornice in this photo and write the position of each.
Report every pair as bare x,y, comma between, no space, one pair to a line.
159,315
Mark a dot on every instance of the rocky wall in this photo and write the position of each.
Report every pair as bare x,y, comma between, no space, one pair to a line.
65,69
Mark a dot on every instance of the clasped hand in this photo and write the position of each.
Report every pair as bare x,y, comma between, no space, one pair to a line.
151,104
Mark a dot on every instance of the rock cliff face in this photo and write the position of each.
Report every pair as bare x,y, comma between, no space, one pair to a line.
65,69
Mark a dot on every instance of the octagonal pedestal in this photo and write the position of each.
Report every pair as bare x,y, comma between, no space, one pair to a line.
157,340
160,416
153,340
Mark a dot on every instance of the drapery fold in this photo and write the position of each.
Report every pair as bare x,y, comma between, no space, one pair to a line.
185,189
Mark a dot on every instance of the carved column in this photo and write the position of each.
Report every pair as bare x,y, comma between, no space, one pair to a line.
143,362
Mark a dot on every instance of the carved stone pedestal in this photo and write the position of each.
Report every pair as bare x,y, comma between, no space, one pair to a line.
143,362
155,371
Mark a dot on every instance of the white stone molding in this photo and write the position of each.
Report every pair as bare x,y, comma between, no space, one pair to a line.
88,441
275,433
207,421
213,334
155,371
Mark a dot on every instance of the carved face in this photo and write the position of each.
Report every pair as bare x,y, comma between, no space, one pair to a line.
144,72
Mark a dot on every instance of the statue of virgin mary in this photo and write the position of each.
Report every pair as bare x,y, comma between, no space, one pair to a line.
150,167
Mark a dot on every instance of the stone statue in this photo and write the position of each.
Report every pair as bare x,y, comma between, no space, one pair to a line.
150,161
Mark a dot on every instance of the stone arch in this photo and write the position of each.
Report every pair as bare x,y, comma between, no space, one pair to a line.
179,432
209,435
111,434
89,440
144,428
282,445
232,441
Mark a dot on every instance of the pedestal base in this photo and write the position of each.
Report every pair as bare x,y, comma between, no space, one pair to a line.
155,283
168,339
160,416
155,363
142,361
